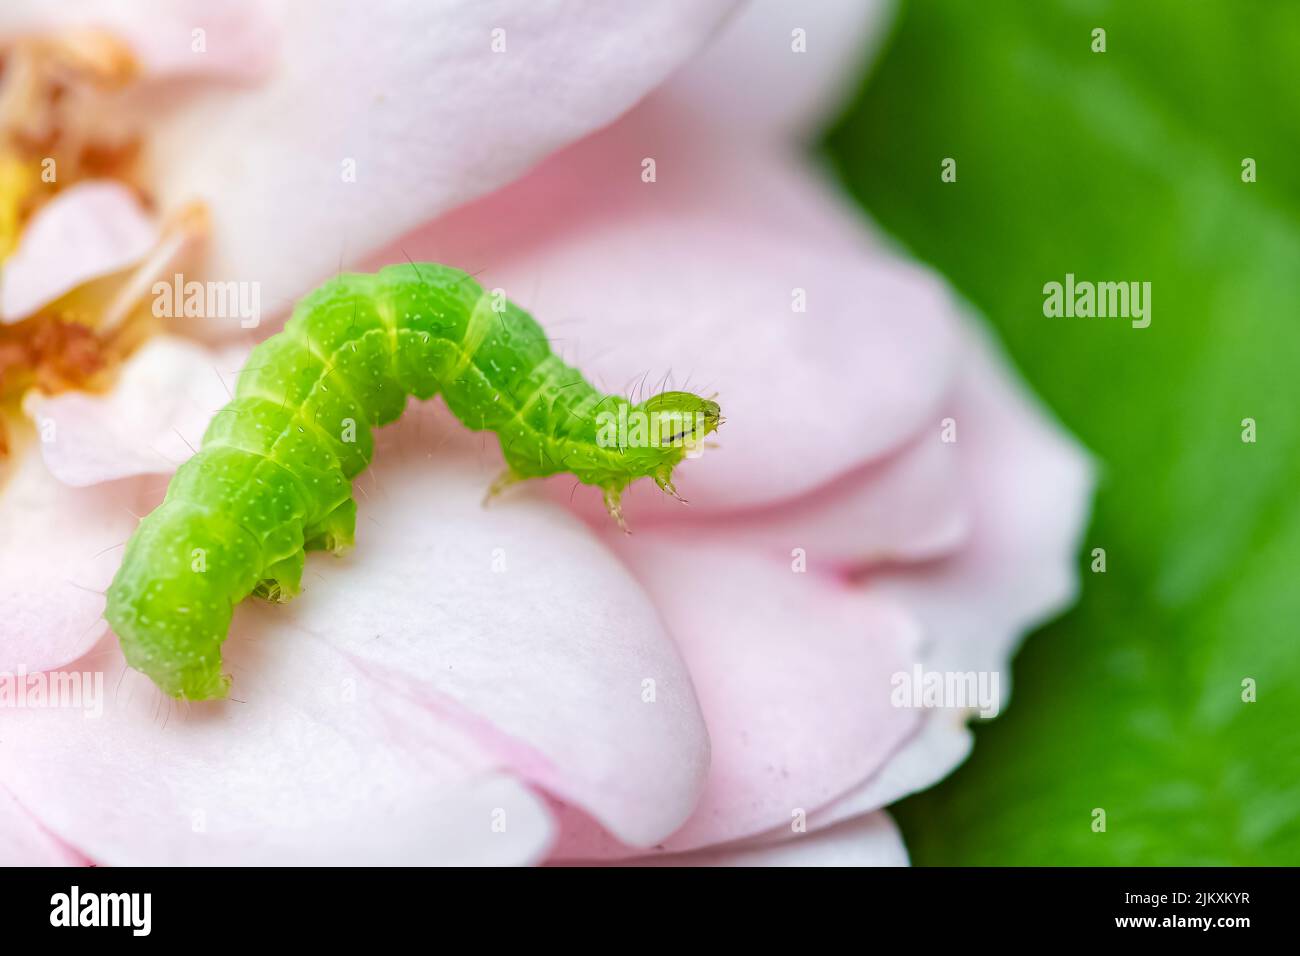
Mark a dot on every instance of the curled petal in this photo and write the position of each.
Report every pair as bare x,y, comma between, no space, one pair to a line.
149,423
525,631
870,840
793,674
91,229
940,743
1030,487
908,507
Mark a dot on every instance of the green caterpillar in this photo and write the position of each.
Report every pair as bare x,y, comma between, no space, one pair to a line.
272,479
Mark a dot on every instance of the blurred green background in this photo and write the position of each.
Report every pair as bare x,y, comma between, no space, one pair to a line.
1124,165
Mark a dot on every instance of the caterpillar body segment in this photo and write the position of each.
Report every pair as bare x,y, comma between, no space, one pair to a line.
273,476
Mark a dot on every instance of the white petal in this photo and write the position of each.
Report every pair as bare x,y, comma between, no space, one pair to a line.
92,229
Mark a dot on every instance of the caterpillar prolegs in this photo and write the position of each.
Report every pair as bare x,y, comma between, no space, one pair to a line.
272,479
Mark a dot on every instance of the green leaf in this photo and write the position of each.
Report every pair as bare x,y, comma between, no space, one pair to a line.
1124,166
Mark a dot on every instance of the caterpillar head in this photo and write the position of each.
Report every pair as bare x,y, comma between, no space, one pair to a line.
681,420
676,424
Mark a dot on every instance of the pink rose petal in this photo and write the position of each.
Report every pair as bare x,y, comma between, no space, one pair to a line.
91,229
541,642
380,116
1030,485
59,547
454,642
690,279
754,80
150,422
307,772
234,39
907,507
793,674
24,842
869,840
940,743
393,695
